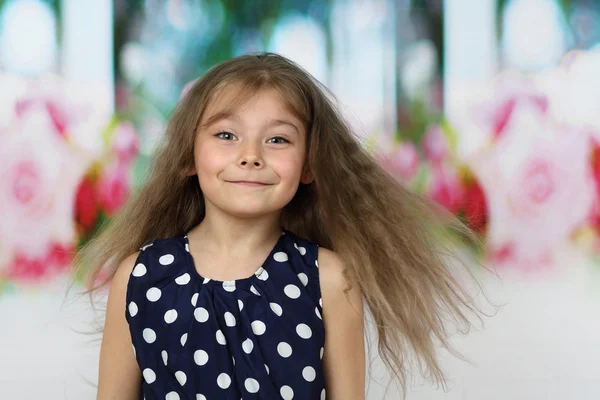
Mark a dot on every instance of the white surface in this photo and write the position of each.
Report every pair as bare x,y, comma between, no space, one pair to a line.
543,344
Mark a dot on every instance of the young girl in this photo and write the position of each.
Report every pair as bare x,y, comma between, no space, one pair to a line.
261,229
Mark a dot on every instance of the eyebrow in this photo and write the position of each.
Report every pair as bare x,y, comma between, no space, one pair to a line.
229,115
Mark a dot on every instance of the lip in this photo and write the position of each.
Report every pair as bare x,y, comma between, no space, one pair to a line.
250,183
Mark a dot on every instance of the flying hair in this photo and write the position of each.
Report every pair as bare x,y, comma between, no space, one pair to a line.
395,244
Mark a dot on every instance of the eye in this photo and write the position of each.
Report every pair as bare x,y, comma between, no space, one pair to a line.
278,140
226,135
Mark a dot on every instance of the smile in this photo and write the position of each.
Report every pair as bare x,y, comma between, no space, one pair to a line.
250,183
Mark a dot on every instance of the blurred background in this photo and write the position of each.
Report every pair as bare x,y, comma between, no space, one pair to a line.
491,107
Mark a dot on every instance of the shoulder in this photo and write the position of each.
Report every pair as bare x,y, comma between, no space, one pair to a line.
124,271
338,287
331,269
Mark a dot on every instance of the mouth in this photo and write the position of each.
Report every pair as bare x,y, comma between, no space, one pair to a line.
250,183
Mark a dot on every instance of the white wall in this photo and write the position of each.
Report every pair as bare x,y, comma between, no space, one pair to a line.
543,344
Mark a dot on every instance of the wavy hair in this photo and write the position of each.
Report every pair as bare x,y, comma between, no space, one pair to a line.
391,240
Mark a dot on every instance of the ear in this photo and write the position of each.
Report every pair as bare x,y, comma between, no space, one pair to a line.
191,171
307,177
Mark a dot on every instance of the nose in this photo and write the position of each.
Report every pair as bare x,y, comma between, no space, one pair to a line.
251,157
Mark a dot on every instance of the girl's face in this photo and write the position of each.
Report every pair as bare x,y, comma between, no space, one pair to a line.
249,161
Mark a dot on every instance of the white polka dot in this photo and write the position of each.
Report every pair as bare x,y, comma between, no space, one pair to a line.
284,349
258,327
276,309
267,368
172,396
262,274
195,299
317,263
247,345
146,246
133,309
304,331
251,385
134,353
183,279
182,377
200,397
201,314
153,294
221,338
200,357
149,335
167,259
165,356
206,280
223,380
321,302
229,319
318,313
303,278
240,305
229,286
323,394
253,290
139,270
170,316
300,249
183,339
280,256
233,361
321,355
187,247
292,291
149,375
309,374
286,393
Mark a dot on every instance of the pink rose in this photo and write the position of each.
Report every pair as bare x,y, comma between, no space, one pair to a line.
113,187
538,184
446,188
39,173
435,145
86,205
26,267
125,142
403,162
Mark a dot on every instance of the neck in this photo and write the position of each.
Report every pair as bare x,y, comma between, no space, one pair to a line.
222,231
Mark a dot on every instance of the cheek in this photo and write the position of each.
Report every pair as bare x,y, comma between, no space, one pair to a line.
208,159
290,166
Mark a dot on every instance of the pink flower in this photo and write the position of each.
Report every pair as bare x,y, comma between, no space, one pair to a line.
446,188
31,268
435,145
86,205
403,162
125,142
538,184
53,107
113,188
39,173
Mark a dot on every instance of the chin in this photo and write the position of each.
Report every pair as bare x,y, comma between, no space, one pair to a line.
246,210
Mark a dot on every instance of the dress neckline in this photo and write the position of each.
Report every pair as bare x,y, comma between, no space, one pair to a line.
256,275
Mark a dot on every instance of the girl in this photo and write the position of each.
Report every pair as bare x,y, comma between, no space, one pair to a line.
262,228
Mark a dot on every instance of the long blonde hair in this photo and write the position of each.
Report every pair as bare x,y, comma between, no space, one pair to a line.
387,236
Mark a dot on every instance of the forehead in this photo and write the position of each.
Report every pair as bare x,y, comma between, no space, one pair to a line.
230,99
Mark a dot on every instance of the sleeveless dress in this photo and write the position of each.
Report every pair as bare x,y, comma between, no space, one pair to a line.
260,337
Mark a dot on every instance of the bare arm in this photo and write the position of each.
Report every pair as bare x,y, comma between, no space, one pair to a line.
120,376
344,353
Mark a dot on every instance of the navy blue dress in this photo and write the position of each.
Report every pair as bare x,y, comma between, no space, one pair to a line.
260,337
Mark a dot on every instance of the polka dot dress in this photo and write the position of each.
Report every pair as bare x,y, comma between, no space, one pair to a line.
260,337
